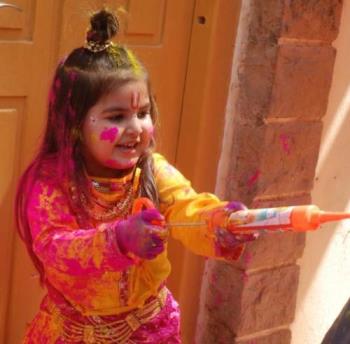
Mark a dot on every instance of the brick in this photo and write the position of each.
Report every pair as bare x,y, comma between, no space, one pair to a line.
260,28
246,148
235,303
272,250
279,337
302,81
254,84
281,200
268,299
218,318
273,159
289,152
263,18
312,19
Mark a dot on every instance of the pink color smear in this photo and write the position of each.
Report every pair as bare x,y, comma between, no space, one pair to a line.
245,277
218,299
253,179
109,134
285,142
248,258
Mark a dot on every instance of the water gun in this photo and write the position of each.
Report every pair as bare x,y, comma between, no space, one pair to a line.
299,218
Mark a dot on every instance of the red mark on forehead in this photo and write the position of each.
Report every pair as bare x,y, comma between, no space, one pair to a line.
135,100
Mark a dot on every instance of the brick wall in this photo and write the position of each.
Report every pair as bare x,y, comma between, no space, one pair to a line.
280,82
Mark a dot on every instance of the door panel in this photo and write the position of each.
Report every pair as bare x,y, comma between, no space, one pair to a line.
21,108
17,24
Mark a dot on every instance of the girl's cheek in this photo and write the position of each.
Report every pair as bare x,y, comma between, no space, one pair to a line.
109,134
151,131
149,128
94,138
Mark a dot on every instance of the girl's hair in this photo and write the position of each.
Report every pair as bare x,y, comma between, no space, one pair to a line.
87,74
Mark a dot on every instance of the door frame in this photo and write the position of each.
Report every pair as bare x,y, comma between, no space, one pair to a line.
214,31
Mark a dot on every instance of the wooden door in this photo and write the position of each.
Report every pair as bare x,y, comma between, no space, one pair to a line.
26,43
31,42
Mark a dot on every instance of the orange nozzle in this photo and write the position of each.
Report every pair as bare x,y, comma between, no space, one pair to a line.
330,216
310,217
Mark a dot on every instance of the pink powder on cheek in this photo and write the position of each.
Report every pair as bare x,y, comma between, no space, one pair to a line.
151,131
109,134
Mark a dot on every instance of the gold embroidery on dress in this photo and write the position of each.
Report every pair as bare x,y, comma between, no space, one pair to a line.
100,331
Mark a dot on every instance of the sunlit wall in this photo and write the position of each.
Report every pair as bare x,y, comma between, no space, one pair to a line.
325,267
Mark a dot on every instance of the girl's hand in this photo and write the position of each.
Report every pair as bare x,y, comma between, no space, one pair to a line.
142,234
226,241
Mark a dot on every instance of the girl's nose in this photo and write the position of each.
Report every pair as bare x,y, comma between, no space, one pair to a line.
134,126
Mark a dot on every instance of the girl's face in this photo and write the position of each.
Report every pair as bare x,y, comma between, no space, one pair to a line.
117,130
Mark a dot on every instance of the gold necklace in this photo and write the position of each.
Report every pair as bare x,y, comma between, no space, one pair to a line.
111,209
120,209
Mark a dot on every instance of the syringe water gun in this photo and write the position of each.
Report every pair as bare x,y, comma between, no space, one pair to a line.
299,218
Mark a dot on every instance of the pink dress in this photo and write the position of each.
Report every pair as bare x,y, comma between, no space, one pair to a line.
96,294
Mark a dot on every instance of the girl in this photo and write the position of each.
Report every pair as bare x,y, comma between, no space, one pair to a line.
105,268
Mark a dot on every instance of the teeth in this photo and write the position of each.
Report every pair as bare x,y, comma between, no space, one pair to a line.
130,145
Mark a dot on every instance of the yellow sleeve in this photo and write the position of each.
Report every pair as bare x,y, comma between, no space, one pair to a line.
179,203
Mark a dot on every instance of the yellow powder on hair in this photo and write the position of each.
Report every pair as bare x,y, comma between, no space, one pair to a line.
114,51
136,67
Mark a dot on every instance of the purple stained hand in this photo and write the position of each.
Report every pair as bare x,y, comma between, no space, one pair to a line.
142,234
235,206
226,241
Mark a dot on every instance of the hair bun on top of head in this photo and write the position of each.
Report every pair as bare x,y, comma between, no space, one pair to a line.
104,26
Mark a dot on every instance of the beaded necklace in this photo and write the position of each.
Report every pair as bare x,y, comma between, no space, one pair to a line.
111,198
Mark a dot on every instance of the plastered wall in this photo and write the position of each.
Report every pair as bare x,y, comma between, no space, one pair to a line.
324,284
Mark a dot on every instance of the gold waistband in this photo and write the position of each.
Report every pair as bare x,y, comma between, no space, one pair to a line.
97,330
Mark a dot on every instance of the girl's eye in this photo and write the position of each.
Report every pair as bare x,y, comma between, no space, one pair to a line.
143,114
116,118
